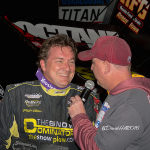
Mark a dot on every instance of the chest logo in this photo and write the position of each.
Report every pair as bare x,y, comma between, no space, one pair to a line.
34,95
32,103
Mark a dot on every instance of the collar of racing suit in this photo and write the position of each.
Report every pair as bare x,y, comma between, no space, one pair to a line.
49,88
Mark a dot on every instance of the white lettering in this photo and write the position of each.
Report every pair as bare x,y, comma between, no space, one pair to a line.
64,124
78,34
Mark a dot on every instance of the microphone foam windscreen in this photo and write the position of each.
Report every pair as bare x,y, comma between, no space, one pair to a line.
89,84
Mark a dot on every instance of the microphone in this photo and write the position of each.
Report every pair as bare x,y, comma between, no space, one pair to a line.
89,85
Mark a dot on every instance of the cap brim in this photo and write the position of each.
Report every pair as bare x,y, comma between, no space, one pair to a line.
85,55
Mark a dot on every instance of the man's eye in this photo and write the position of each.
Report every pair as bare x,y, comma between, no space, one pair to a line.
72,62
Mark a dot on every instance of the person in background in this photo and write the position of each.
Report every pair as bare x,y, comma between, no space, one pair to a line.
38,110
123,122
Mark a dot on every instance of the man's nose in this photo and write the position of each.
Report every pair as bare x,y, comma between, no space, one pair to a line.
67,66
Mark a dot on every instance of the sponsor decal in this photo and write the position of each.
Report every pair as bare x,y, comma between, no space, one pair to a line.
82,2
68,103
29,82
48,85
31,110
82,10
32,103
48,130
48,138
130,15
80,88
82,13
43,80
23,145
17,84
101,114
45,31
59,92
34,95
125,21
93,93
134,5
127,9
23,83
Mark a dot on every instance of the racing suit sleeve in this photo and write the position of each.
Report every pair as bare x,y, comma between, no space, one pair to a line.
84,132
8,125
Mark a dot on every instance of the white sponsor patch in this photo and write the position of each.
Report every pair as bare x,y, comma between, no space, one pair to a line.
34,95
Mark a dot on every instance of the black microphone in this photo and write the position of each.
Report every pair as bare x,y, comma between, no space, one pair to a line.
89,85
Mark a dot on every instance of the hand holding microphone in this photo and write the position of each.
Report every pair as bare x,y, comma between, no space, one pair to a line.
77,106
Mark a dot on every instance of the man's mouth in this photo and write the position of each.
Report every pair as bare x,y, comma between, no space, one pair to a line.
65,75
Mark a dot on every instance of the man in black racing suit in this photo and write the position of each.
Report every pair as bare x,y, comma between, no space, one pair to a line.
38,110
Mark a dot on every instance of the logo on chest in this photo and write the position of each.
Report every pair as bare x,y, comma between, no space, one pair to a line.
32,103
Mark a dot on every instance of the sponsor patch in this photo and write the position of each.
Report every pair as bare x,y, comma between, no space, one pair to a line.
17,84
24,83
80,88
31,110
34,95
59,92
32,103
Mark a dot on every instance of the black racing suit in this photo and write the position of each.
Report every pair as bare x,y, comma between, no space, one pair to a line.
31,112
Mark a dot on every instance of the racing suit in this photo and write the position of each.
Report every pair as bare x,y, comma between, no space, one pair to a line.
31,111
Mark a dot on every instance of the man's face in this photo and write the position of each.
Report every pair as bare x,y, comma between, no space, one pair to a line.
60,66
98,70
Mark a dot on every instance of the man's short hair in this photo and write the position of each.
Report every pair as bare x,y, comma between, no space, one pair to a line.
61,40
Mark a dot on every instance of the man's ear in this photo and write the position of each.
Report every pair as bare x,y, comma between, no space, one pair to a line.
42,63
107,67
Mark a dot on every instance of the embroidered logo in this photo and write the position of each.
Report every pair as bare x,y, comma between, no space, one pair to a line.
34,95
32,103
46,84
59,92
80,88
17,84
129,59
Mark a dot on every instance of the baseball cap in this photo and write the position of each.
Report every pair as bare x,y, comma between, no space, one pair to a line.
109,48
